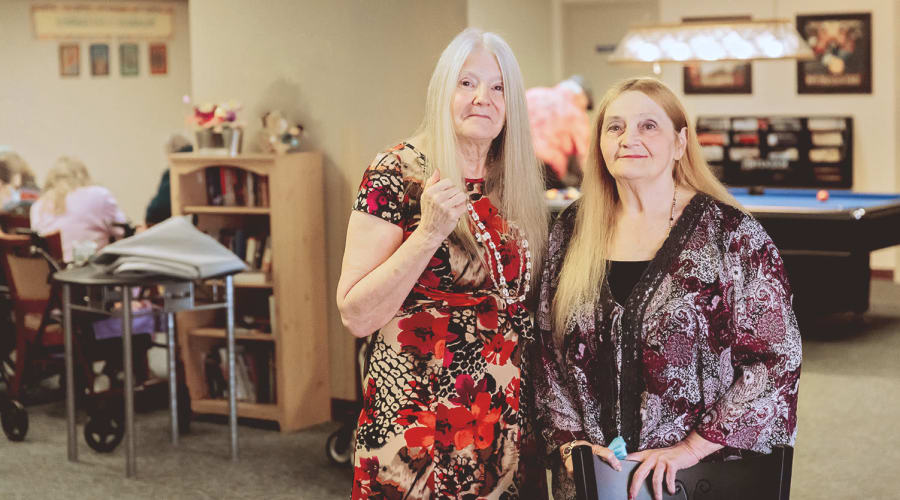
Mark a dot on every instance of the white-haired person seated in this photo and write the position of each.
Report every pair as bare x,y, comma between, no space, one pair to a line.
665,311
85,214
445,237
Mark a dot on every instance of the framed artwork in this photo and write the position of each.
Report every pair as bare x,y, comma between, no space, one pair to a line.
99,59
158,59
721,77
842,45
128,59
69,59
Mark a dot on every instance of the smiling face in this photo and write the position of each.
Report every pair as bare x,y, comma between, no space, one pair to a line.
479,106
638,139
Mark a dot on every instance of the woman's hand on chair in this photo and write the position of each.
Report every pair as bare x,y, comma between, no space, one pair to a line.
666,462
603,452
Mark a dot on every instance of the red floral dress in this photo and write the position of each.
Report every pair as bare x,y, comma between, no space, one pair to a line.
440,413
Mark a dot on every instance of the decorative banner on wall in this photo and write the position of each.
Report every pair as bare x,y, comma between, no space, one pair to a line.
66,20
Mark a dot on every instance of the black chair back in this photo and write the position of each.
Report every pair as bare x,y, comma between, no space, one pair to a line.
765,477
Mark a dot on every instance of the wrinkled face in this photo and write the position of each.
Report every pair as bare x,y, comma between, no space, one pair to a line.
478,106
638,139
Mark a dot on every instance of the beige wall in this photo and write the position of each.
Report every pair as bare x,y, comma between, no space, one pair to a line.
585,25
353,72
775,87
116,124
525,25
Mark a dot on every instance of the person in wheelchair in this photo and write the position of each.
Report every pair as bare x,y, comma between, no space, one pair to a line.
665,312
86,215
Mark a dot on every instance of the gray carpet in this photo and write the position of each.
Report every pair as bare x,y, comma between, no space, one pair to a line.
847,446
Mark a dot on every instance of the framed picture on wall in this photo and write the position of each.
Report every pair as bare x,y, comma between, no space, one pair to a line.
128,59
158,59
722,77
842,45
99,59
69,59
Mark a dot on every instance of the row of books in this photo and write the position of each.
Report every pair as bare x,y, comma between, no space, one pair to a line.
235,187
254,249
254,373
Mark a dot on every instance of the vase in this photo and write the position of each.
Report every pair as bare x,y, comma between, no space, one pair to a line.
207,139
232,138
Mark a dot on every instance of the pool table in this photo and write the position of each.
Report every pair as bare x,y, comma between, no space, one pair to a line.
826,244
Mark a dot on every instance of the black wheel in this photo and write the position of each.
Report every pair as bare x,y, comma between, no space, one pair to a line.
337,446
104,431
15,421
184,410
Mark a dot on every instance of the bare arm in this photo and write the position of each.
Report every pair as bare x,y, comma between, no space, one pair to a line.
380,269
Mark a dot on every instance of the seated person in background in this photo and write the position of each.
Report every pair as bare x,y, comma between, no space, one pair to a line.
82,212
160,207
17,187
560,129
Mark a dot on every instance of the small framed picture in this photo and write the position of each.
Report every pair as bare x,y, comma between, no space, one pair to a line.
158,59
720,77
69,59
842,46
128,59
99,59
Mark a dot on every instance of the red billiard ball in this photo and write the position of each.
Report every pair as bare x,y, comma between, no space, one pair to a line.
822,195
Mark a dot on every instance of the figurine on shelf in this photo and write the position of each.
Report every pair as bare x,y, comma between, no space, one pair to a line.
278,135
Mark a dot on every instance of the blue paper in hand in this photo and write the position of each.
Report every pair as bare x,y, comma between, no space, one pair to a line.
618,448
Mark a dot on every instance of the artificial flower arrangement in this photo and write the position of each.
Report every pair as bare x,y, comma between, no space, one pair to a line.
214,116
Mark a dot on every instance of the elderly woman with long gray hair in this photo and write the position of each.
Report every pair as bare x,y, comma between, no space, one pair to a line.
443,246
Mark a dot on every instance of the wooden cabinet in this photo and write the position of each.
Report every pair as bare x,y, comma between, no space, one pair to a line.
293,223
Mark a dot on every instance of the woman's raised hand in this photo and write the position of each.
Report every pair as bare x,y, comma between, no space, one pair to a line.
442,204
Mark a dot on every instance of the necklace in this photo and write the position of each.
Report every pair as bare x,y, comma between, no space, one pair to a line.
672,214
484,237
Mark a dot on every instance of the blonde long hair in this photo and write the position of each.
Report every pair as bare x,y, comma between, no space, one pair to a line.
515,178
67,175
585,265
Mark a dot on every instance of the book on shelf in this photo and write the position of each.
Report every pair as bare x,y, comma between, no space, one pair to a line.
236,187
254,373
251,278
254,249
265,261
272,319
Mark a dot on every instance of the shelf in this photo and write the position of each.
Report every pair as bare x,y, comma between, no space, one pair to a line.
219,282
262,411
208,209
219,333
295,223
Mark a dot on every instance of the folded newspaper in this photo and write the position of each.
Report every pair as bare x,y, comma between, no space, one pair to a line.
173,248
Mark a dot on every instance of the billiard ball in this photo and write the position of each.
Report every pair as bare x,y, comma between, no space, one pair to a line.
822,195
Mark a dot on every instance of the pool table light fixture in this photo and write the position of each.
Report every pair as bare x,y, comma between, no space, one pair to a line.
712,41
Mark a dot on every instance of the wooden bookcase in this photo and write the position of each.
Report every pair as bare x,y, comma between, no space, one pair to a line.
294,220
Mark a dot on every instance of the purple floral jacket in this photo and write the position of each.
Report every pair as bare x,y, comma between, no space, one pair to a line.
706,341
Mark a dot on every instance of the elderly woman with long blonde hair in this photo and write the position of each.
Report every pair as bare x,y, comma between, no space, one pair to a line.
447,233
81,211
665,312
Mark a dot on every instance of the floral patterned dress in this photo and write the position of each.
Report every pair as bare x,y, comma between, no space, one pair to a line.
707,341
441,416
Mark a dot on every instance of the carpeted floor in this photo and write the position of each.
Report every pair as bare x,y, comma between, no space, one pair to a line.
847,445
